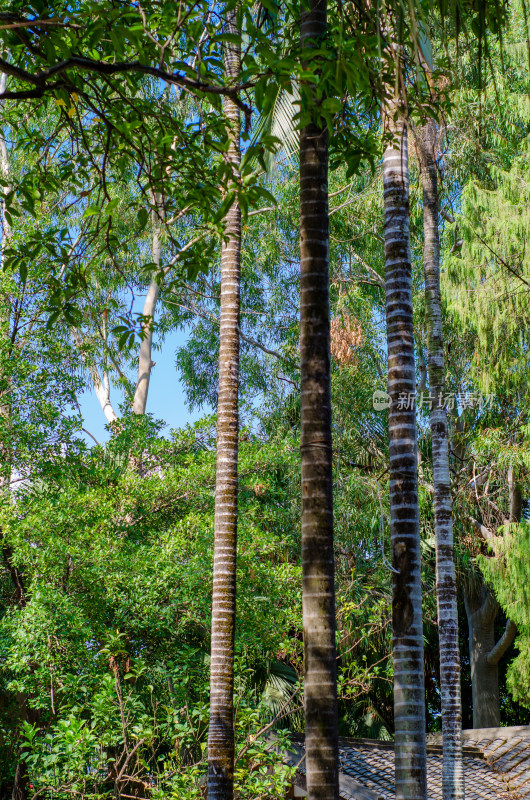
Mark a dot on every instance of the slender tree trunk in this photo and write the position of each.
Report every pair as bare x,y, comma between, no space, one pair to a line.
20,788
221,732
515,497
452,771
409,690
100,383
145,359
20,782
6,309
320,686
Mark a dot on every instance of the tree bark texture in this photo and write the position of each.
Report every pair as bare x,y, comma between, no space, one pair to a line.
20,782
145,360
320,685
481,610
446,595
409,690
515,497
221,730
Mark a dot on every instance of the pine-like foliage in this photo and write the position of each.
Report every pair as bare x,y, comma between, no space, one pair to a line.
508,573
489,282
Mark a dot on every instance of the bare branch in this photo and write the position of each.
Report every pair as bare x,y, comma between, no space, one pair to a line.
482,531
262,347
497,652
448,217
41,80
260,211
371,271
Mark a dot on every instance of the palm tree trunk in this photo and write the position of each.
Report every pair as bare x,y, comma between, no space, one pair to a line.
221,731
320,687
409,691
452,771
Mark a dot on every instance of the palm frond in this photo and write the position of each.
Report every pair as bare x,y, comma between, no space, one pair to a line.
279,123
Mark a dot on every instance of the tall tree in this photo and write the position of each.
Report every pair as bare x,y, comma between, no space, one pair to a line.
482,607
20,788
221,731
409,690
446,596
320,686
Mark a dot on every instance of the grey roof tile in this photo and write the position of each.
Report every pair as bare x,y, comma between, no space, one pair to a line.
496,765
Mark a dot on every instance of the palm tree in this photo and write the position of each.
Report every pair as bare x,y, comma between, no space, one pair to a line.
409,691
221,731
452,771
320,687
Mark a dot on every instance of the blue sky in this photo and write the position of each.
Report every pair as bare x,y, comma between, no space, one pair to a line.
166,394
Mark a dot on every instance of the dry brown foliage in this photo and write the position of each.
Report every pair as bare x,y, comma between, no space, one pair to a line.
346,335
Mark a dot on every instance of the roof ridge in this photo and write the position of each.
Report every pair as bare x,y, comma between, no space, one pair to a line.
507,733
388,744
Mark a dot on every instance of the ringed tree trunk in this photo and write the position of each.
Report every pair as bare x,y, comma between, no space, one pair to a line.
221,730
446,594
318,598
409,689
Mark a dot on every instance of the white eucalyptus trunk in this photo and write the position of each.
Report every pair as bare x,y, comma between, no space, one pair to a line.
145,359
101,383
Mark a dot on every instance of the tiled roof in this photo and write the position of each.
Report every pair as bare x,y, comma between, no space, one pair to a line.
496,766
507,750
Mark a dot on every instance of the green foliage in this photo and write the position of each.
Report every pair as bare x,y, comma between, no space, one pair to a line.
508,573
109,643
488,281
107,553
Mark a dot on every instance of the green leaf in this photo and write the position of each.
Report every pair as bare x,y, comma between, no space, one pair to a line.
142,217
